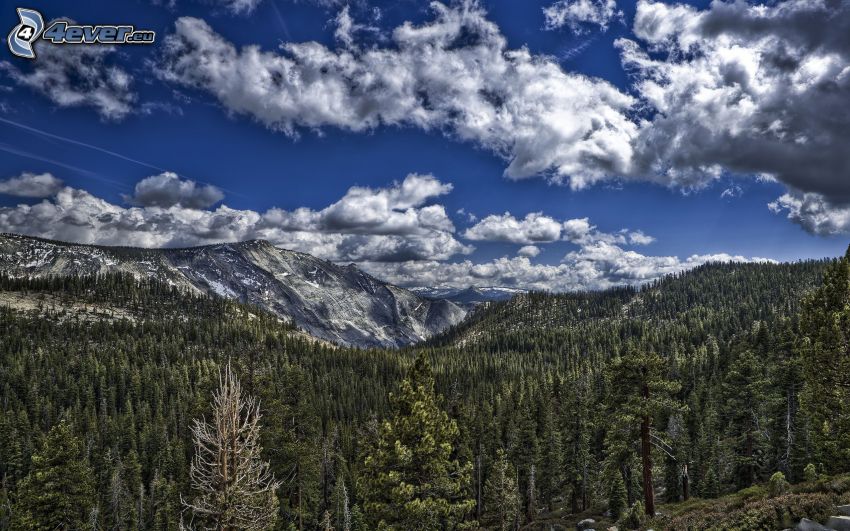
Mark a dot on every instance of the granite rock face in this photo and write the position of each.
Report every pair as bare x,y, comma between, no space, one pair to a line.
341,304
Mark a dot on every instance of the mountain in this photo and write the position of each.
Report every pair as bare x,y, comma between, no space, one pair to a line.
336,303
469,297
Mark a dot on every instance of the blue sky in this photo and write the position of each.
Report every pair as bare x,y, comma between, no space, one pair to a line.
174,123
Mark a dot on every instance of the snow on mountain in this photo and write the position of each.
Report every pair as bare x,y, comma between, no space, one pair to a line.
469,297
337,303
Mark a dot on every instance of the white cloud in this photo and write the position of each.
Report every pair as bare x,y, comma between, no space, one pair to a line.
31,185
813,212
347,29
454,73
240,7
639,238
385,224
534,228
732,192
529,251
167,189
539,228
78,76
578,14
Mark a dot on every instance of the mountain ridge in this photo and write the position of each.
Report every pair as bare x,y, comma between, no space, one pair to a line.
337,303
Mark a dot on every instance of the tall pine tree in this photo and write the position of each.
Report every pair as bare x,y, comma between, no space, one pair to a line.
411,478
58,493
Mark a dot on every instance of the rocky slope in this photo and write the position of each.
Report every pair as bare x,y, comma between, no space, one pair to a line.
341,304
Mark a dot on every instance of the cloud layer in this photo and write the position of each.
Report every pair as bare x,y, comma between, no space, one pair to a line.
597,266
396,232
736,87
454,74
751,89
387,224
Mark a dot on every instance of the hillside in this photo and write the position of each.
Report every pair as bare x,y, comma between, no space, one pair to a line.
341,304
719,299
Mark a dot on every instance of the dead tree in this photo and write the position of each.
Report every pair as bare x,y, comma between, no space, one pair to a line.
234,488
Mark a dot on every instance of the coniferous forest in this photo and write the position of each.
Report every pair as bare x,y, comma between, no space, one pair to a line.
718,398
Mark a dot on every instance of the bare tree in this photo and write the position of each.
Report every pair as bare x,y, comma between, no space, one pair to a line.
234,488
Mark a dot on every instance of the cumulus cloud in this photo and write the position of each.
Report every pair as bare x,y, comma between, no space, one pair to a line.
751,89
578,15
167,189
30,185
78,76
384,224
454,74
534,228
529,250
813,212
597,266
538,228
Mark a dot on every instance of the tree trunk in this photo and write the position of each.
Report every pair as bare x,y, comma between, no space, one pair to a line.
478,486
686,480
584,488
300,509
646,459
750,477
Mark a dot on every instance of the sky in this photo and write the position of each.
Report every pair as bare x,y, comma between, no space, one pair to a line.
558,145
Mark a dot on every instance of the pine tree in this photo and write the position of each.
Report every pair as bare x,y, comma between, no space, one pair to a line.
617,502
639,392
825,335
746,398
234,487
501,495
551,476
58,493
410,479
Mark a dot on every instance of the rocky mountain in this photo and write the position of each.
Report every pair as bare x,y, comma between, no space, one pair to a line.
470,297
337,303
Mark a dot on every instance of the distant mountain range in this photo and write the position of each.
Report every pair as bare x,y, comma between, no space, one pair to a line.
336,303
469,297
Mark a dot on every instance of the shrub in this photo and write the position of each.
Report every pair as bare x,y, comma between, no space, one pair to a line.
810,473
635,516
778,485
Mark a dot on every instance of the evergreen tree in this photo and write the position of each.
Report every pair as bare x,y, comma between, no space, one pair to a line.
502,499
617,496
639,392
825,335
58,493
410,480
